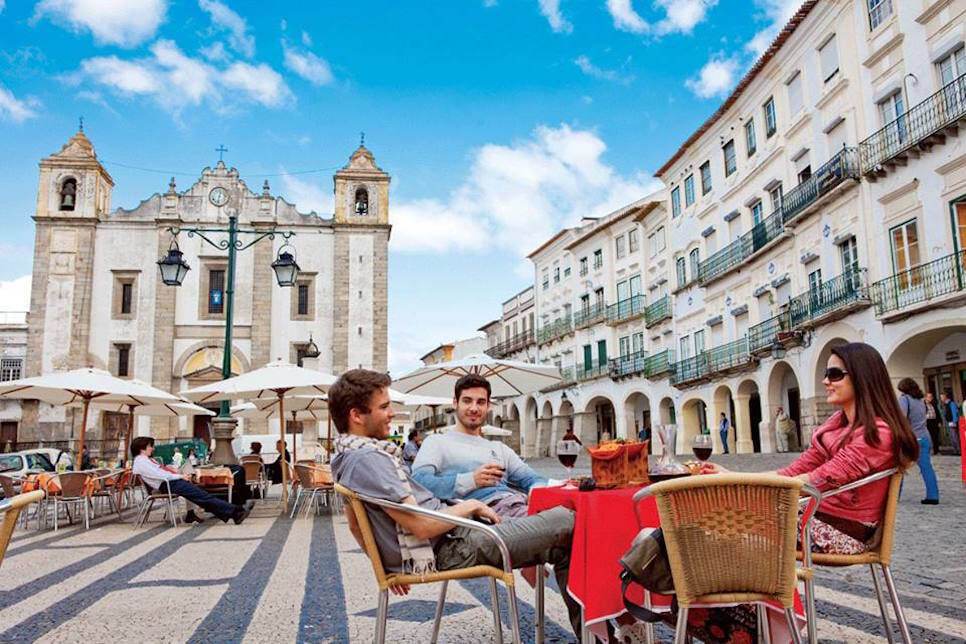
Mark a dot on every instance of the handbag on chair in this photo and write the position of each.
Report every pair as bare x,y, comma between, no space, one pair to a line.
646,564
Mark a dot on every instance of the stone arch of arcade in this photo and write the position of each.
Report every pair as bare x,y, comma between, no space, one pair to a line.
751,426
637,415
693,421
528,428
511,422
934,354
598,421
562,421
784,392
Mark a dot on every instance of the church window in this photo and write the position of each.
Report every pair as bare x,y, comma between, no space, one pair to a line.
68,194
362,202
216,291
124,295
122,353
303,298
127,290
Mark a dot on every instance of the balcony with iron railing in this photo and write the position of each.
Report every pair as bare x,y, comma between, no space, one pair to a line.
830,300
742,249
511,345
731,356
919,128
555,330
941,282
628,365
590,315
657,311
763,336
625,310
690,371
659,364
808,195
568,377
591,371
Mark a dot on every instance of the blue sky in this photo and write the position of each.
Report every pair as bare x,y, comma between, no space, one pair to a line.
500,120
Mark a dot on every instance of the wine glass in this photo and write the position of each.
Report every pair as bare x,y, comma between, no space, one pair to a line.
567,452
702,447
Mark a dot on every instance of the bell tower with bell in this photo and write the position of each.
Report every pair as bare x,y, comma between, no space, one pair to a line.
361,230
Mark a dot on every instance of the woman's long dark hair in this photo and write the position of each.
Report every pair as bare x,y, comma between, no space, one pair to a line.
910,387
874,398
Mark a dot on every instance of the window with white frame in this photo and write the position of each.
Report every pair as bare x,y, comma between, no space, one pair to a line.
776,194
583,266
637,342
556,274
685,347
681,271
676,202
620,246
828,56
689,190
771,118
699,342
545,281
632,243
598,259
635,284
879,12
730,159
694,260
891,110
705,177
757,212
952,66
11,369
625,346
623,291
795,99
751,140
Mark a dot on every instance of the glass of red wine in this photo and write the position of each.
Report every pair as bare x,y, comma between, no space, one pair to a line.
702,447
567,452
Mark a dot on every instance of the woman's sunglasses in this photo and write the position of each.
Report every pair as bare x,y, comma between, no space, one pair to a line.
834,374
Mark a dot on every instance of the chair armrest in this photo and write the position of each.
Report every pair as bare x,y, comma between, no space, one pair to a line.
884,474
448,518
21,500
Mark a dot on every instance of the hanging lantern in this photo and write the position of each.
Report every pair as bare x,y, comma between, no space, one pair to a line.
285,267
311,349
172,266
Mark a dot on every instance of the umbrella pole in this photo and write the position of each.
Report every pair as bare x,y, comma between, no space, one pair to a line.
281,420
79,458
328,440
295,456
126,444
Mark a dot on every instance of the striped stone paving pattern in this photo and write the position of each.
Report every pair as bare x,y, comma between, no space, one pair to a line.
306,580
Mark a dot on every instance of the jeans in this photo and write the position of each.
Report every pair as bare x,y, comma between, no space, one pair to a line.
539,538
925,469
932,425
724,439
953,436
191,492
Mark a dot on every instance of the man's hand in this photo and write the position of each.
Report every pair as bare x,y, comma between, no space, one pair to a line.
488,475
401,589
473,509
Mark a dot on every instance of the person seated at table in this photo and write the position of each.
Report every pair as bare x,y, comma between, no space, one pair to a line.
274,469
154,474
367,463
256,449
868,434
461,464
411,448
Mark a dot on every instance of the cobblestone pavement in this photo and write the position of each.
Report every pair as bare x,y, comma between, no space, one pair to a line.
305,580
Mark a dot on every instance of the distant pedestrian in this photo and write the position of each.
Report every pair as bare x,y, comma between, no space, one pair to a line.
912,405
411,448
569,435
723,427
933,418
950,411
177,459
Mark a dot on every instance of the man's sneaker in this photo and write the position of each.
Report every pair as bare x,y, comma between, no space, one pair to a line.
241,514
191,517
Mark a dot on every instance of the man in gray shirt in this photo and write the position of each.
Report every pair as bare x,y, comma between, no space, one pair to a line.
368,464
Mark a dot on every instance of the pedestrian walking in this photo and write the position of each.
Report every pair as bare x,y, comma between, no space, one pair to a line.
914,407
781,430
933,418
950,412
723,427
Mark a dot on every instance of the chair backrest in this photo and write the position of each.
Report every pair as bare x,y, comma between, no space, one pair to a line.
72,483
253,470
358,509
250,458
730,534
887,529
124,479
307,477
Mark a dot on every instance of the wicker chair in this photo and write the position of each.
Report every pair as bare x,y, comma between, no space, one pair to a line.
880,555
311,487
151,496
731,539
255,477
386,579
11,508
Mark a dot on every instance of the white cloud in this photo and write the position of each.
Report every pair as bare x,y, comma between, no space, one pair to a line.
223,17
307,195
126,23
215,52
14,109
551,11
175,80
612,75
776,13
680,16
716,78
2,5
306,38
307,65
15,294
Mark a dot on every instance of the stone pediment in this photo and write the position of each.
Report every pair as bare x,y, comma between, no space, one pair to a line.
77,147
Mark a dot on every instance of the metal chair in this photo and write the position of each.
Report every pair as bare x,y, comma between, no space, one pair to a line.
73,491
162,494
880,555
315,483
9,485
104,490
12,507
386,579
731,538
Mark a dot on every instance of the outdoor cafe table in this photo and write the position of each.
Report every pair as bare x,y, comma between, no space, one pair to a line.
604,527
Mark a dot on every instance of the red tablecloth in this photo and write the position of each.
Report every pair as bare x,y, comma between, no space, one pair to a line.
604,527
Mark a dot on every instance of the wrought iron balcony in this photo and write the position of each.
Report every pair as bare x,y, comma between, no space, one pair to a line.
657,311
511,345
803,198
832,299
628,365
729,357
556,329
762,336
926,283
590,315
920,127
591,371
738,251
690,370
659,363
625,310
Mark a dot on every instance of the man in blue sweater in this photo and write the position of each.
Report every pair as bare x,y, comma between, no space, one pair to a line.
461,464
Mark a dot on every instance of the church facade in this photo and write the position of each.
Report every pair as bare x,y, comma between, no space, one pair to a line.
97,298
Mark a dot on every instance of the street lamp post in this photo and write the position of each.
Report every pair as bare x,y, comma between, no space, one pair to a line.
173,269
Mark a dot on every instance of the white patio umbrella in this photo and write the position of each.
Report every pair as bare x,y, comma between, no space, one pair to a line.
507,377
278,379
82,386
170,410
